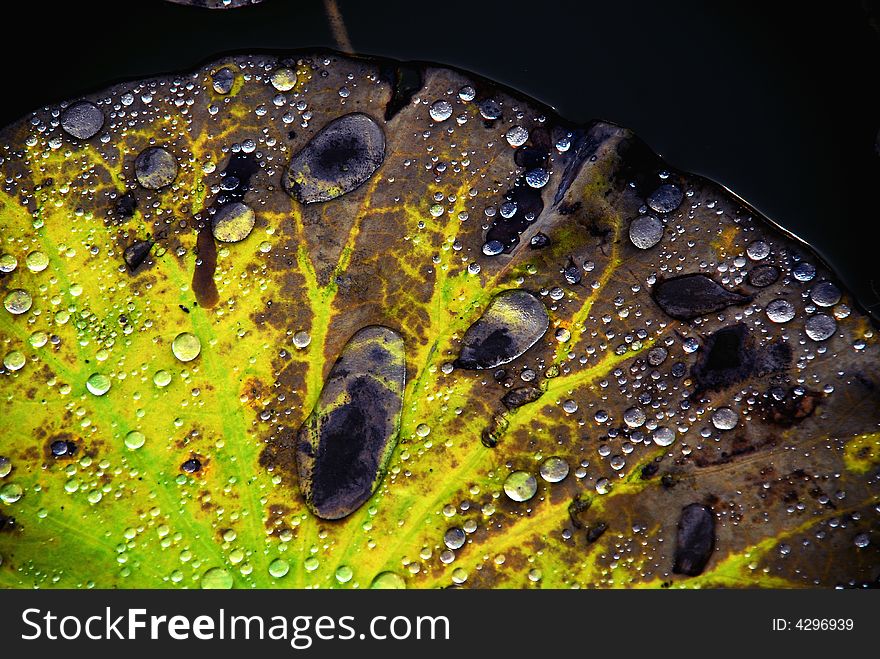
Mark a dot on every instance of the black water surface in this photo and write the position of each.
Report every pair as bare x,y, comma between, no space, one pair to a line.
777,101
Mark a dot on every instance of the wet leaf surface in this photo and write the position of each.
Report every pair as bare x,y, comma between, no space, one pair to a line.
675,397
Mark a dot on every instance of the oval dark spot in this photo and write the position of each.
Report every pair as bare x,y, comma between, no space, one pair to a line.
763,275
695,540
513,322
192,465
691,296
341,157
344,446
521,396
155,168
82,120
126,205
136,253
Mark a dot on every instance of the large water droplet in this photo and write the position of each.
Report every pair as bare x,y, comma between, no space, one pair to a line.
186,346
520,486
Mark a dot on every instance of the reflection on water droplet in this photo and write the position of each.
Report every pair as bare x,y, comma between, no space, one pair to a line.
14,360
825,294
454,538
554,469
520,486
645,231
279,568
5,467
423,430
162,378
804,271
223,80
37,261
283,80
344,574
8,263
186,346
820,327
134,440
862,540
11,492
603,486
311,564
634,417
758,250
780,311
516,136
18,301
217,578
725,418
570,406
98,384
663,436
440,110
388,581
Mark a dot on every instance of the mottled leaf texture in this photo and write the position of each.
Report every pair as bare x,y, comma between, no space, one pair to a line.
339,322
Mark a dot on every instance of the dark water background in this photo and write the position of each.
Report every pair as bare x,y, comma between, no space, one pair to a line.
777,101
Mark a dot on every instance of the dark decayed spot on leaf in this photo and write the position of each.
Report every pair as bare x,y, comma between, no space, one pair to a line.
787,408
82,120
694,295
695,540
576,508
126,205
405,81
344,445
596,531
727,358
155,167
236,178
216,4
339,159
649,470
136,253
492,433
6,523
513,322
763,275
521,396
203,285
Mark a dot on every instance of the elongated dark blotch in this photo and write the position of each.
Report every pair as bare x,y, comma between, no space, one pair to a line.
343,447
691,296
514,321
695,540
339,159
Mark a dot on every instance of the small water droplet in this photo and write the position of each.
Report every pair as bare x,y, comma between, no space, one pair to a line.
554,469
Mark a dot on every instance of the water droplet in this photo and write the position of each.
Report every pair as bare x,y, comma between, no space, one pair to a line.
820,327
11,492
758,250
279,568
493,248
162,378
37,261
283,80
155,168
82,120
135,440
516,136
5,467
657,355
467,93
645,231
344,574
423,430
8,263
663,436
186,346
18,301
98,384
301,339
337,160
538,177
440,110
665,199
570,406
780,311
554,469
233,222
725,418
490,109
804,271
862,540
634,417
222,80
217,578
520,486
825,294
454,538
603,486
763,275
14,360
388,581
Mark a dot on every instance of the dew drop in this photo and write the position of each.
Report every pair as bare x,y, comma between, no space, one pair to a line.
645,231
98,384
725,418
780,311
440,110
279,568
186,346
820,327
135,440
18,301
217,578
554,469
388,581
520,486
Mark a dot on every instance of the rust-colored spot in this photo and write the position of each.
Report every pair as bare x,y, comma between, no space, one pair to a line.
203,276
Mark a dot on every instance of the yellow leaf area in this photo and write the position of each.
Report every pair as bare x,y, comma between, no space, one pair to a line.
403,250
